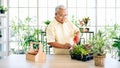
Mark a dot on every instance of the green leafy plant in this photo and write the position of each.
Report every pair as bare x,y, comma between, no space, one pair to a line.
27,33
98,43
85,20
79,25
74,21
3,9
111,32
31,38
116,44
80,50
47,22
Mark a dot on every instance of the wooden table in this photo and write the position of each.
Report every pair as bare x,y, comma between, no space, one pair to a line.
53,61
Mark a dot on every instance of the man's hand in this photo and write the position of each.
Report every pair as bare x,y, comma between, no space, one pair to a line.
76,38
67,45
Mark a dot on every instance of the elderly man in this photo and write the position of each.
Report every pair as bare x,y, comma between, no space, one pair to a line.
62,34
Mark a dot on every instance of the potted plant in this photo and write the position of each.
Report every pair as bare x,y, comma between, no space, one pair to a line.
31,38
85,22
47,22
3,9
81,52
27,33
77,24
116,44
98,43
111,33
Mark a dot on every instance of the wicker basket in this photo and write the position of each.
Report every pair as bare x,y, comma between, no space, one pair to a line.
99,60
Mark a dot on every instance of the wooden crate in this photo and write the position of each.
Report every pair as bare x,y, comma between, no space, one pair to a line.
34,56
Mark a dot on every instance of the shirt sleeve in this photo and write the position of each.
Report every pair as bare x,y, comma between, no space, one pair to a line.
50,34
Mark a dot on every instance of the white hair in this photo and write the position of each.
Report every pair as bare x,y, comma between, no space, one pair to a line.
59,7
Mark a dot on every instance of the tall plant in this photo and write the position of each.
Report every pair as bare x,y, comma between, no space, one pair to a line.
25,32
98,43
111,32
116,44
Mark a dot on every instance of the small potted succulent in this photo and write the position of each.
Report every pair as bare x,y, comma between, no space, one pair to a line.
84,22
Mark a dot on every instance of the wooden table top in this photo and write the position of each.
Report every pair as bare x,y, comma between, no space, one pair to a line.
54,61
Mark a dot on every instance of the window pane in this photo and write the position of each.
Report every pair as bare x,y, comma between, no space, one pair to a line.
12,35
118,16
92,29
81,3
81,12
42,15
4,2
62,2
32,12
100,3
110,3
52,3
72,3
33,15
13,3
110,18
100,16
13,47
33,21
23,13
32,3
43,3
23,3
71,12
91,14
91,3
100,28
13,12
117,3
51,13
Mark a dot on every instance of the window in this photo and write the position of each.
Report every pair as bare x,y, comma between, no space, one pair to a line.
101,13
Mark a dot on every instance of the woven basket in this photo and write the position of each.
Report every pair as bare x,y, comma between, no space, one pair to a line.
99,60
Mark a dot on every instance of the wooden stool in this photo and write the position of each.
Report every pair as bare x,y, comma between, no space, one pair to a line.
36,56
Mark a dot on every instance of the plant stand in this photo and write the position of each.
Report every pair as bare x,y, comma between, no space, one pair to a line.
99,60
34,56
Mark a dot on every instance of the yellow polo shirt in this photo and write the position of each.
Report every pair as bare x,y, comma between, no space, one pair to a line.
61,33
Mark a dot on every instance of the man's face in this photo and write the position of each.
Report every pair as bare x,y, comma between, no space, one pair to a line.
61,15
